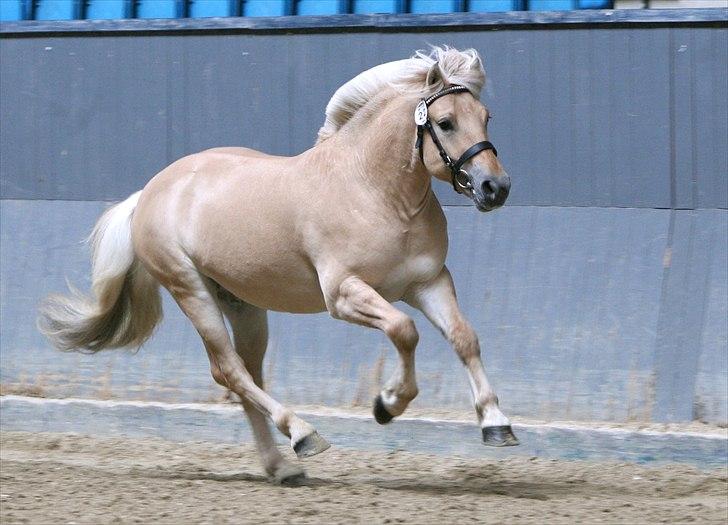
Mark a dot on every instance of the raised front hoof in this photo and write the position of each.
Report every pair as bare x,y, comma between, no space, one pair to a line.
310,446
380,413
500,436
289,475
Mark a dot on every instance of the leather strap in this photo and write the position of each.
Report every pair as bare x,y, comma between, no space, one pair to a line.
473,151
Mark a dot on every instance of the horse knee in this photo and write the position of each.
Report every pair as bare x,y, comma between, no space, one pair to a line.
465,341
403,332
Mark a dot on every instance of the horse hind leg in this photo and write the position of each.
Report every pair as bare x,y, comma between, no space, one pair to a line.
195,296
250,335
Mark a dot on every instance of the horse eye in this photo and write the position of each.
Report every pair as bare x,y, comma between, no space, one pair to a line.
445,125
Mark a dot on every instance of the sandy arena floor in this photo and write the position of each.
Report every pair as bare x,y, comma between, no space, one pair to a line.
62,478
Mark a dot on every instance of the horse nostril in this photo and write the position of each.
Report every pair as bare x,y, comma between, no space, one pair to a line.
490,188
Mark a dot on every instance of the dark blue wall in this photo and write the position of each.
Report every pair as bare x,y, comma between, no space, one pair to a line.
614,244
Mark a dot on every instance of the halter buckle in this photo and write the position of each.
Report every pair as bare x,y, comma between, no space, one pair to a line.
459,184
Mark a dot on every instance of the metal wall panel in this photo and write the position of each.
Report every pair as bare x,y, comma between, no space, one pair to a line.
701,117
602,296
582,117
691,321
577,314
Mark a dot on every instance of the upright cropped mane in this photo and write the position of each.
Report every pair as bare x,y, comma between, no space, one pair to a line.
409,75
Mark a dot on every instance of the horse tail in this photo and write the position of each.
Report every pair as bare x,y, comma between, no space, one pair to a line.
125,305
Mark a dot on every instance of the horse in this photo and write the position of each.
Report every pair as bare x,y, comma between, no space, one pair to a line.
349,226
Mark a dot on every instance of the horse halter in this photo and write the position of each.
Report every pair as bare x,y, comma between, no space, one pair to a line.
460,178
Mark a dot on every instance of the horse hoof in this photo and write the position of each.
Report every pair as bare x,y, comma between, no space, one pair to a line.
380,413
310,446
289,475
500,436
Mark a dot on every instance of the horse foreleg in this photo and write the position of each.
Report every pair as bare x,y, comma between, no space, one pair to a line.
194,294
250,335
436,299
357,302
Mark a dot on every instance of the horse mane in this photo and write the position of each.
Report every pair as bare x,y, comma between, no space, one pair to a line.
405,76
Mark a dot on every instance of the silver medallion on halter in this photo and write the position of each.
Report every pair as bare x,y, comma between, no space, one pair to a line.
421,113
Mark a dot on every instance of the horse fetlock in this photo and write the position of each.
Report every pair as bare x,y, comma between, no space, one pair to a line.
491,415
283,420
396,400
401,393
484,401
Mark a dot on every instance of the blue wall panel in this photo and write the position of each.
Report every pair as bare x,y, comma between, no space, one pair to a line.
267,7
108,9
378,6
57,9
595,4
159,8
552,5
14,10
477,6
434,6
320,7
207,8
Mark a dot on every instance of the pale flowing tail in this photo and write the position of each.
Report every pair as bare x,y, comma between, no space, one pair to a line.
125,305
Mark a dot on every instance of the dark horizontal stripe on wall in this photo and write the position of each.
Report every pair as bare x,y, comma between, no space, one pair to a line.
380,22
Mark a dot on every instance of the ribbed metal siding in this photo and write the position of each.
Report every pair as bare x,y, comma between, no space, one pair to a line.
585,311
608,117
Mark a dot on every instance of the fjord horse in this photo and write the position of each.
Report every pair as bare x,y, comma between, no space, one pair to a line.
348,226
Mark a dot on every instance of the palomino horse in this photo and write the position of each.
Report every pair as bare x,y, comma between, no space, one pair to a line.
348,226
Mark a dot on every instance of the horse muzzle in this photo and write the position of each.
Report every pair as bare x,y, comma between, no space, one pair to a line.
490,192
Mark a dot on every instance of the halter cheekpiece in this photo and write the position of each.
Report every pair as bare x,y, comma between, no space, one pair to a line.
460,180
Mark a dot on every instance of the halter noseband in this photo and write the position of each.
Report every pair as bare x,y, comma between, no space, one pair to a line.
460,180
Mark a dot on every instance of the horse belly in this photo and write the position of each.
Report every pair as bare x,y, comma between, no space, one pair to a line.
276,286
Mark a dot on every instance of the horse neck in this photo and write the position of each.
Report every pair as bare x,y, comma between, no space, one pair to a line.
382,140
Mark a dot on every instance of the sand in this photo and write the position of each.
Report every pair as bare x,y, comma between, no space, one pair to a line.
65,478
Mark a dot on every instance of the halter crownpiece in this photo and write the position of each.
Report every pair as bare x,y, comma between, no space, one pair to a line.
422,119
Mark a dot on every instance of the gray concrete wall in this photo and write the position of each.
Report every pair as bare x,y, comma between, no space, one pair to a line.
614,242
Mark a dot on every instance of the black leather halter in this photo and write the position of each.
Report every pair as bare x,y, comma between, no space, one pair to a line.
460,180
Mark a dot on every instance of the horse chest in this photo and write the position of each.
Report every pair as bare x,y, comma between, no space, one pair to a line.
403,261
417,268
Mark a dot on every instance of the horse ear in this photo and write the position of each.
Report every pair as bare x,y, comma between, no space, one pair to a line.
477,63
435,75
